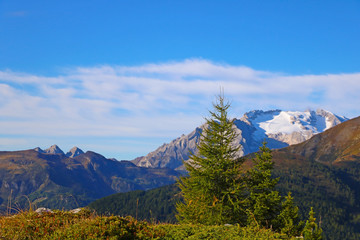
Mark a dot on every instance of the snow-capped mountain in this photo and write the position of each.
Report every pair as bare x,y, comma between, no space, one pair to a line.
283,128
279,128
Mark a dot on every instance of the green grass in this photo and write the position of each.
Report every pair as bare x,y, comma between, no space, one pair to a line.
87,225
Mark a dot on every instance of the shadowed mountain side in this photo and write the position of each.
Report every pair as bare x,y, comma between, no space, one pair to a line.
56,181
336,146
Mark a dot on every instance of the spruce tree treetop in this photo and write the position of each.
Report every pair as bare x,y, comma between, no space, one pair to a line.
311,230
264,202
288,219
213,190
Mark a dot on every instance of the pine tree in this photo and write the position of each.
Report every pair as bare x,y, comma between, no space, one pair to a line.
288,219
263,202
311,230
213,191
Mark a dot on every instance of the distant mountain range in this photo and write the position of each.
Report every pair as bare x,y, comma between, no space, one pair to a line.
50,178
54,149
279,128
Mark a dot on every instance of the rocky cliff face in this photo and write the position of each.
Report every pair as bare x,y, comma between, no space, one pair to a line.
54,149
278,128
171,155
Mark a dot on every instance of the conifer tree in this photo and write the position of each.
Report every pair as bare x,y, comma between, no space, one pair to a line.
288,219
213,192
311,230
263,202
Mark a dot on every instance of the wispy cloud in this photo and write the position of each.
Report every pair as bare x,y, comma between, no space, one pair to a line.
157,100
17,13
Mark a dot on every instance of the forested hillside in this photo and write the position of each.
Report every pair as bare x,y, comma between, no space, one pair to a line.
323,172
153,205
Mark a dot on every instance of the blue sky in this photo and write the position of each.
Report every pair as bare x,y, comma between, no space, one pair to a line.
122,77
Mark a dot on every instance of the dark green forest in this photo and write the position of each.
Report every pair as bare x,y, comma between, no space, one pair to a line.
156,205
334,195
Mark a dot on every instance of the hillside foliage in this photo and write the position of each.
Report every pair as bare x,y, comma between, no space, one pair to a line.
87,225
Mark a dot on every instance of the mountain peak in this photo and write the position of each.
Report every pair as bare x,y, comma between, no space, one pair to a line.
54,149
279,128
75,151
38,149
287,122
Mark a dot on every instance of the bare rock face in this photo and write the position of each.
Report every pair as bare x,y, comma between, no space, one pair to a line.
42,210
76,210
75,151
54,149
278,128
171,155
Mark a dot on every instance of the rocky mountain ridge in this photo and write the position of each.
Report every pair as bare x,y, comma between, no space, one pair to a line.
279,128
54,149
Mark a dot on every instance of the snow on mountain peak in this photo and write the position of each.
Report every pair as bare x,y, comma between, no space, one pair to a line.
276,122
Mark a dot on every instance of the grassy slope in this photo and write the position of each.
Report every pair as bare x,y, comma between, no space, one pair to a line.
85,225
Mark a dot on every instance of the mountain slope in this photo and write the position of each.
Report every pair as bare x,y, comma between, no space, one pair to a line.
171,155
336,146
324,172
155,204
58,181
278,128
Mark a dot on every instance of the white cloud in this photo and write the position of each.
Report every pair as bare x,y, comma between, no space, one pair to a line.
157,99
15,77
194,67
